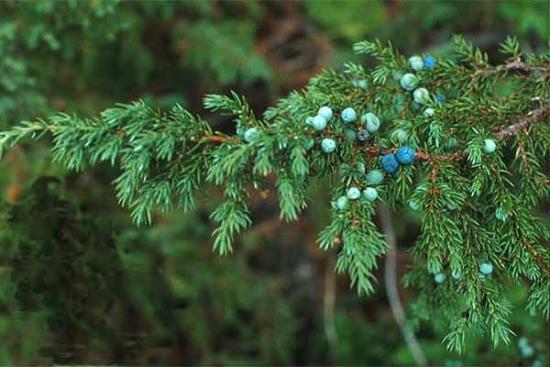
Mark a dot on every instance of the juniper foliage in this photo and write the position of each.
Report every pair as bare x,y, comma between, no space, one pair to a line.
473,206
83,46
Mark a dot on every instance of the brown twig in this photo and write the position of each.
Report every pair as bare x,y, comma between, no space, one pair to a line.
217,138
533,116
518,65
501,134
513,66
374,151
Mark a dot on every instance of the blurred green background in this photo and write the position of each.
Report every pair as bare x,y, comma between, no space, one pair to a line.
80,284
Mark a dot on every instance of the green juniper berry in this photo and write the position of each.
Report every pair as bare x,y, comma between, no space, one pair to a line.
375,177
342,203
370,194
328,145
440,278
319,123
372,122
353,193
409,81
489,146
251,134
486,268
421,96
416,63
349,115
429,112
325,112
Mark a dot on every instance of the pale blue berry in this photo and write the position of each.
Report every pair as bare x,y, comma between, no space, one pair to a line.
375,177
486,268
429,112
328,145
421,95
501,214
309,120
348,115
372,121
319,123
409,81
523,342
370,194
353,193
414,206
439,98
416,62
527,351
342,203
251,134
456,275
489,146
325,112
439,278
240,132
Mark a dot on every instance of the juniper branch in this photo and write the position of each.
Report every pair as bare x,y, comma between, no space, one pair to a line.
537,115
218,139
167,158
513,66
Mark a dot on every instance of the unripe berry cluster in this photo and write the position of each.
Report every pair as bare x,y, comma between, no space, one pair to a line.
369,193
409,81
370,124
354,193
485,270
